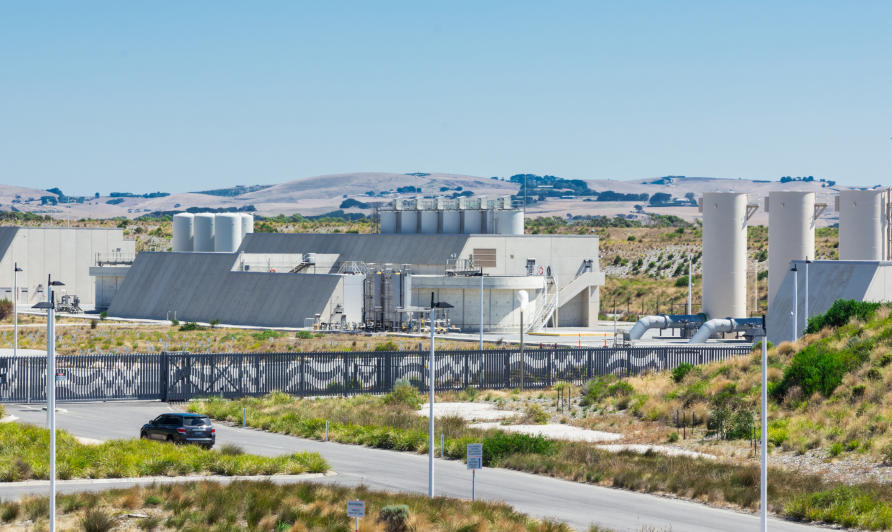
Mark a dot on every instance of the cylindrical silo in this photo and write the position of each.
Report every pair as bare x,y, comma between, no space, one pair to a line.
450,221
247,224
203,232
408,221
862,224
471,221
388,221
509,222
227,232
428,221
724,254
791,234
183,230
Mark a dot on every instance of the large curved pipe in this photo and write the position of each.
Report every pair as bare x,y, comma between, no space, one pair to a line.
664,322
715,326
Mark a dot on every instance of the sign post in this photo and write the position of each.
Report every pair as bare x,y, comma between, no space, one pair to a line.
475,462
356,509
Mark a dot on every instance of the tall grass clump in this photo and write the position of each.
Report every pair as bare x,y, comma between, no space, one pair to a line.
24,451
267,506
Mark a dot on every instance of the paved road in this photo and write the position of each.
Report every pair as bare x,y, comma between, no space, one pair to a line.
579,505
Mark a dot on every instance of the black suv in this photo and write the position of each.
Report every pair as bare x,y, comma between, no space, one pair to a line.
180,428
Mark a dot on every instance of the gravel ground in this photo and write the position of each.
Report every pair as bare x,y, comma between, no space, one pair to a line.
467,411
850,469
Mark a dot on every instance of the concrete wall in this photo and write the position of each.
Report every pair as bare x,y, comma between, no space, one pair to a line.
66,254
828,281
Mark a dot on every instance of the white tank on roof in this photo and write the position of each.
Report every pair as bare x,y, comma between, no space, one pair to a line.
204,232
227,232
183,232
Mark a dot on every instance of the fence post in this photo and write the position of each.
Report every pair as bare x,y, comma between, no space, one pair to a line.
466,355
344,363
164,376
588,362
550,357
303,375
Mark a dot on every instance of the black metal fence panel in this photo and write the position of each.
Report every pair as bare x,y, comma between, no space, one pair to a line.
183,376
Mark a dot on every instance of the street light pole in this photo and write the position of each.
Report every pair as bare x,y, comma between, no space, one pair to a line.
795,302
50,307
15,309
481,308
430,444
763,483
807,262
690,285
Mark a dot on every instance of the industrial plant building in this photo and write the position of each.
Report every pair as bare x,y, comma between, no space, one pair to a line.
68,254
353,280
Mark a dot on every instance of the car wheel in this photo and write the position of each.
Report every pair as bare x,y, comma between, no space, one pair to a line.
143,435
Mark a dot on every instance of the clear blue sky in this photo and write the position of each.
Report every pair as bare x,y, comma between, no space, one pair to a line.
178,96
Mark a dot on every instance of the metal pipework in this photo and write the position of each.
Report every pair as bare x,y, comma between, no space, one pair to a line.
665,321
750,326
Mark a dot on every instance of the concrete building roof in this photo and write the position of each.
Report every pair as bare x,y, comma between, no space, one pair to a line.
372,248
202,287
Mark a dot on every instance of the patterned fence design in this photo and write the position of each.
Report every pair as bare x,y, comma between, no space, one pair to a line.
182,376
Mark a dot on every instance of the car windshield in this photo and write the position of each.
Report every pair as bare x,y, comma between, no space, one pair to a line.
196,421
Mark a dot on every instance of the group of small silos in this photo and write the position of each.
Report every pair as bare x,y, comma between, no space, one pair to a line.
210,232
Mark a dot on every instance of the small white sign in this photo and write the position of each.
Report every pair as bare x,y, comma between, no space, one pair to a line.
355,508
60,376
475,463
475,450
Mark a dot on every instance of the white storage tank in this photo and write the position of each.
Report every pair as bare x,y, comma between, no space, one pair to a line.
247,224
408,220
862,224
428,221
791,234
388,221
183,231
227,232
450,221
471,224
509,222
724,254
203,232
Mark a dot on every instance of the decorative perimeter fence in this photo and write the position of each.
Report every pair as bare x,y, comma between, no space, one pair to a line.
183,376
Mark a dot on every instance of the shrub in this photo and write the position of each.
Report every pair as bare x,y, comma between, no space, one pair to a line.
673,437
681,370
5,308
387,346
191,326
394,518
500,444
840,312
403,394
835,449
231,449
96,520
214,323
103,315
268,334
93,324
818,368
535,414
620,389
174,322
303,335
681,281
